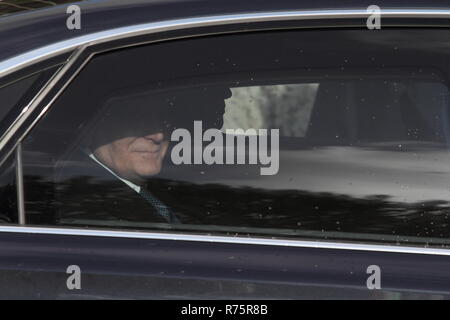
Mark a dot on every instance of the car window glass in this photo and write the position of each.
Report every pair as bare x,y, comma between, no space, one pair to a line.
276,106
14,97
12,92
17,92
8,197
319,135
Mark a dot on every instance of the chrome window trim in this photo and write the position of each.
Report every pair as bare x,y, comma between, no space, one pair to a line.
20,61
224,239
34,103
19,179
78,44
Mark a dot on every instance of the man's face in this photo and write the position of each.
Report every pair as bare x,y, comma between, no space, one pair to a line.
135,144
135,158
132,138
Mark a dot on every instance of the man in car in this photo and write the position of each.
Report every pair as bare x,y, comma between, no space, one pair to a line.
128,146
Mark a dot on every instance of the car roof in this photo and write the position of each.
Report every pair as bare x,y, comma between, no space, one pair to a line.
15,6
30,25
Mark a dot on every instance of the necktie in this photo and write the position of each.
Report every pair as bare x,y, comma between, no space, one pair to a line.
160,207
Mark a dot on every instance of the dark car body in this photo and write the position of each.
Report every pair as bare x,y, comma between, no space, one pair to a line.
189,265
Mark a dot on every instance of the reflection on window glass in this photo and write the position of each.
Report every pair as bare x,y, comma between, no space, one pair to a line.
16,94
11,93
346,142
286,107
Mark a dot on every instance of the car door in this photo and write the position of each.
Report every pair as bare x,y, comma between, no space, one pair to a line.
220,164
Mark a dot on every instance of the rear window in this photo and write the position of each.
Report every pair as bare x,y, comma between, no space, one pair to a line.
11,93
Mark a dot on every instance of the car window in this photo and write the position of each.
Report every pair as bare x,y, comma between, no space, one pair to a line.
8,192
286,107
14,97
313,134
12,92
16,92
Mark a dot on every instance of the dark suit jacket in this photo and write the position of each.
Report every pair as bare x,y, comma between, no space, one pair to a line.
84,190
78,191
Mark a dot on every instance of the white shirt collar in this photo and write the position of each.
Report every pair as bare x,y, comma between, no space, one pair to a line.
129,183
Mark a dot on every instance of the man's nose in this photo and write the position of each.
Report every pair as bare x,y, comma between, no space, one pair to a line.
157,137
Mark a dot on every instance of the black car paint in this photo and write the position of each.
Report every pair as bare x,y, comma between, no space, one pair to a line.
34,266
29,30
